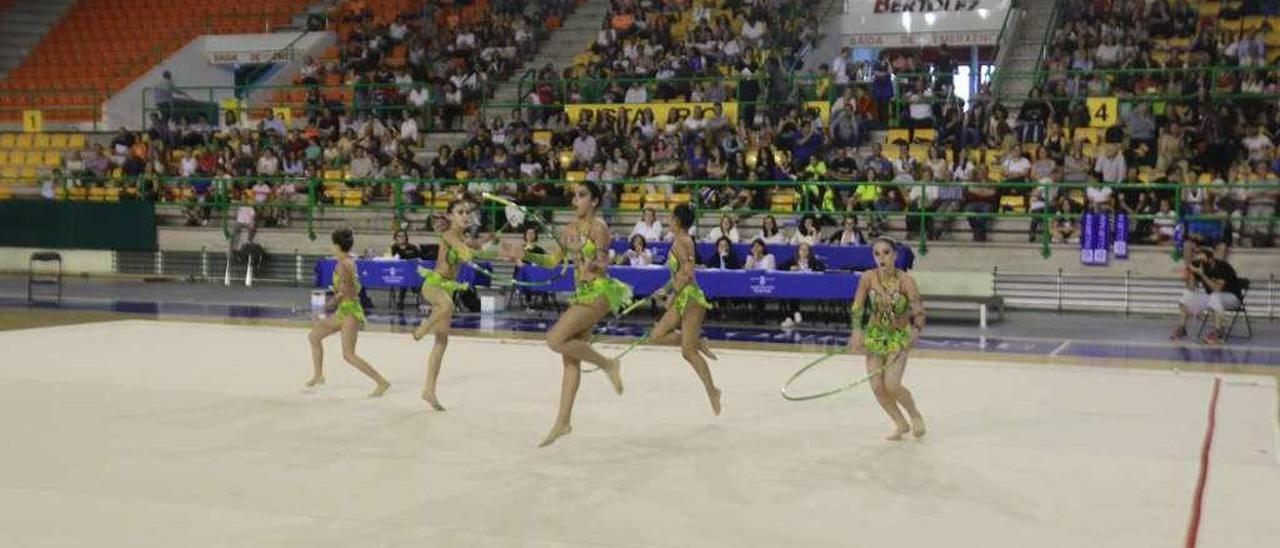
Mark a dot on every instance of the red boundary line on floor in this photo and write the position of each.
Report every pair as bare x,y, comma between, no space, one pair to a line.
1197,502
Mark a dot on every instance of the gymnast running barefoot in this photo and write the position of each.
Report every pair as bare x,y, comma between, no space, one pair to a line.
438,288
348,317
686,306
895,320
587,243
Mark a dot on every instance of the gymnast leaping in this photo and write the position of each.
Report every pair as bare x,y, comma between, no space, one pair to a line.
586,242
438,287
894,320
686,306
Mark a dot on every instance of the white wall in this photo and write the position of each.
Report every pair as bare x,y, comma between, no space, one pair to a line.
190,67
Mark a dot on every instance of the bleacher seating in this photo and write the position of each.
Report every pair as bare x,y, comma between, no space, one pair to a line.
26,156
100,46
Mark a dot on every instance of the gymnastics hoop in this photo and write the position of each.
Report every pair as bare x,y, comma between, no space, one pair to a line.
564,264
805,397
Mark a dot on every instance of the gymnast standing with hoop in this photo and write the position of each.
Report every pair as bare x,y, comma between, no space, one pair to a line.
586,242
894,318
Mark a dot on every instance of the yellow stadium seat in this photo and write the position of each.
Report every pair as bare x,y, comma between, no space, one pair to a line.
112,194
655,200
630,201
24,141
9,174
34,158
542,138
782,200
333,174
677,199
4,157
1087,134
58,141
78,193
925,135
7,140
891,153
1016,204
5,193
75,140
919,152
41,141
27,175
97,194
53,158
575,176
896,135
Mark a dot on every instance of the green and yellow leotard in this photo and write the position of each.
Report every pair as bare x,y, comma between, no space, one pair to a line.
886,332
432,278
348,307
690,292
587,292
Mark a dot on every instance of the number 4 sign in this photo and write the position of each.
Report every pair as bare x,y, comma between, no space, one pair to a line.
1102,111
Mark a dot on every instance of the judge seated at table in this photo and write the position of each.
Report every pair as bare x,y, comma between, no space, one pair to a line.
638,255
805,260
724,257
760,258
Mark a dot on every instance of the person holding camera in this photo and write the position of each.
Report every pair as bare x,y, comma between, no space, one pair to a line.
1211,283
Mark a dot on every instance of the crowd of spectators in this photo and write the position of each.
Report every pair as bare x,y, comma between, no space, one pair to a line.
967,171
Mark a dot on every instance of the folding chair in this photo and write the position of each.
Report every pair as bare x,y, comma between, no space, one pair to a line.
1236,312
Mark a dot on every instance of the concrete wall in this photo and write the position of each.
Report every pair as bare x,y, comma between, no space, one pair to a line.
190,67
1026,259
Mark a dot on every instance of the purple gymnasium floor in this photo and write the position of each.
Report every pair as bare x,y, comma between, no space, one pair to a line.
1084,337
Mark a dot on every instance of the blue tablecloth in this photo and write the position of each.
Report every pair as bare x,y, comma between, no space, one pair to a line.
837,257
718,284
395,273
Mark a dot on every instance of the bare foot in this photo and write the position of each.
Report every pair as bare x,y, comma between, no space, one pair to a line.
714,396
614,372
917,427
432,401
898,432
556,432
315,381
421,331
379,390
706,351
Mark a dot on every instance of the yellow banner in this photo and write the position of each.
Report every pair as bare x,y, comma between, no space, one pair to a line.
661,111
32,121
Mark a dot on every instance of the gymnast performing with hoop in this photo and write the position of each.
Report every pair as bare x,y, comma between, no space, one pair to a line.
686,306
438,288
894,318
347,316
586,243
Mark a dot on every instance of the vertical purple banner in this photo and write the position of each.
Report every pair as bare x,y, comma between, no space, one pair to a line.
1121,245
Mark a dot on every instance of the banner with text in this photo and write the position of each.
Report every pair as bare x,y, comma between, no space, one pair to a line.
924,23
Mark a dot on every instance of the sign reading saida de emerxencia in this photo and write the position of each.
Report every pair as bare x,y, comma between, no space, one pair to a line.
661,111
925,6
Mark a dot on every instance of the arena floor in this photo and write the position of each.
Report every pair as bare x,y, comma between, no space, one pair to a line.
164,433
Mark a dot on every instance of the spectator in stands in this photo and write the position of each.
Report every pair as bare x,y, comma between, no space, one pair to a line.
638,254
727,229
1111,165
1140,126
1212,284
769,232
1033,115
648,227
849,233
760,258
807,232
805,260
724,257
980,200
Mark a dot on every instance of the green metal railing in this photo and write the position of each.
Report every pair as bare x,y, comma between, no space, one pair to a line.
312,199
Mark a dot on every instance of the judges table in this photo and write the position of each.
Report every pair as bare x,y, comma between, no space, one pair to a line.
396,273
837,257
717,284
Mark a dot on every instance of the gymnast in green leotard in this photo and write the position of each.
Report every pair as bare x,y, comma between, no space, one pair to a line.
888,316
438,287
586,240
348,316
687,305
